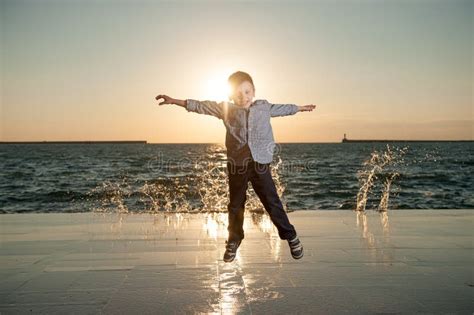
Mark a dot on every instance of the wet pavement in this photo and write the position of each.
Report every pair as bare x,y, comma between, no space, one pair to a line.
404,261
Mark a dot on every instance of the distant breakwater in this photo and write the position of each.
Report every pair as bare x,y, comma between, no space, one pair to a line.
75,142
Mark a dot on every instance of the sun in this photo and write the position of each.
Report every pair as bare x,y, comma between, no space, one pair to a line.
217,88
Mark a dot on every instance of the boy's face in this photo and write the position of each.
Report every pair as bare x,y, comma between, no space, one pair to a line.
243,94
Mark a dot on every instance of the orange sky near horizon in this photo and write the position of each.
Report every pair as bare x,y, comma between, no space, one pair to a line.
78,70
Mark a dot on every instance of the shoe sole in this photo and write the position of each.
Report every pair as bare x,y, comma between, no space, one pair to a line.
298,257
229,260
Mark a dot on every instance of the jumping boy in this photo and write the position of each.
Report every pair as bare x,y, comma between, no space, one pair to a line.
250,144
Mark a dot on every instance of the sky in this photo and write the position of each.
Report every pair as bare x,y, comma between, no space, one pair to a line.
90,70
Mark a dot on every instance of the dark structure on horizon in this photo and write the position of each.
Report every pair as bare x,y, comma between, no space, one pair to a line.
345,140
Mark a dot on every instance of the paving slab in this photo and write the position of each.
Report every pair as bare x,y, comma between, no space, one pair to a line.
400,261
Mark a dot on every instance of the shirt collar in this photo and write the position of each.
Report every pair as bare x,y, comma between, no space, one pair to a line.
248,108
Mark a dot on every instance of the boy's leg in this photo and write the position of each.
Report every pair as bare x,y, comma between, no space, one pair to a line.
262,182
238,183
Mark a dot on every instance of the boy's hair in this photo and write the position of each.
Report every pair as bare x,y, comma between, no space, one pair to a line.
236,78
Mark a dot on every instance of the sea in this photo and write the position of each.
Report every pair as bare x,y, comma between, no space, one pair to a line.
148,178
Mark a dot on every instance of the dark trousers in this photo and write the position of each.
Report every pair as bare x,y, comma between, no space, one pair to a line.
262,182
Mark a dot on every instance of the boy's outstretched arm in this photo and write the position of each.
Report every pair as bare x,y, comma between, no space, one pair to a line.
169,100
201,107
289,109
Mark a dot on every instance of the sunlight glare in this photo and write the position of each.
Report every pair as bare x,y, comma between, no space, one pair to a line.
217,88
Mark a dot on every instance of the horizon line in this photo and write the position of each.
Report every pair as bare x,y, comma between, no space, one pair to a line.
285,142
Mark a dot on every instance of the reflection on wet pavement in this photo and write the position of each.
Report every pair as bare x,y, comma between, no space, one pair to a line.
355,262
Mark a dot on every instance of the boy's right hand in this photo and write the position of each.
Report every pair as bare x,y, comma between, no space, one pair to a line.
166,99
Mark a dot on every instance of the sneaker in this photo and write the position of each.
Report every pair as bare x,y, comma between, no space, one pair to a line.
296,248
231,250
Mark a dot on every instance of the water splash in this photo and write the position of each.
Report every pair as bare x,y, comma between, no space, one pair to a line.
383,205
159,197
205,190
113,196
380,164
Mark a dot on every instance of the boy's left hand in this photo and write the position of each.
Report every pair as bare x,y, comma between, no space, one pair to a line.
306,108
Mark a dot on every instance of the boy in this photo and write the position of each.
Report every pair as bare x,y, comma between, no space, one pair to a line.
250,144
